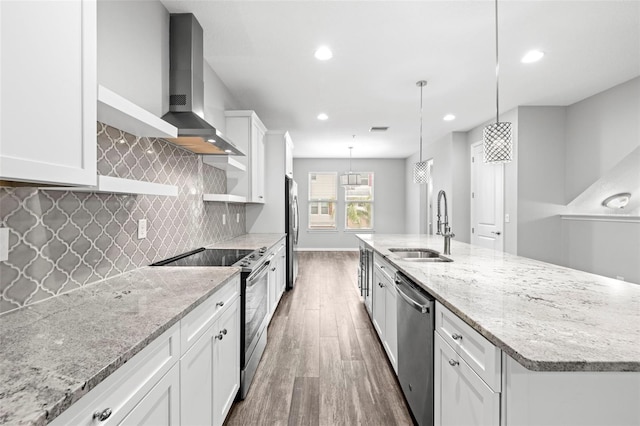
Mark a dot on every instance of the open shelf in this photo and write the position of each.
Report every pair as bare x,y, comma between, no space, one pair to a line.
226,198
123,114
226,163
114,185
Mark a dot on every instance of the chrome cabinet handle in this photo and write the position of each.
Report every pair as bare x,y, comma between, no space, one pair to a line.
224,331
497,233
380,285
221,304
381,266
273,269
456,336
453,362
102,415
220,336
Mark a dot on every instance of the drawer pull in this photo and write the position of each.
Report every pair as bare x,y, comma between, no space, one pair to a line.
453,362
221,304
102,415
456,336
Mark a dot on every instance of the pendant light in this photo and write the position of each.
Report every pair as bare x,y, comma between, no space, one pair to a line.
350,179
421,169
498,147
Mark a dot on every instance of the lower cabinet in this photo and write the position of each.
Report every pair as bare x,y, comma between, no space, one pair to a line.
461,397
277,277
385,311
161,406
159,387
210,371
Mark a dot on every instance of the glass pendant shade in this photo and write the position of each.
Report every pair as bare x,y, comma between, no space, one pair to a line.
498,147
421,172
350,179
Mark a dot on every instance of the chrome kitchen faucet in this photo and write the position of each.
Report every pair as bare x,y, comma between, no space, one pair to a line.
447,229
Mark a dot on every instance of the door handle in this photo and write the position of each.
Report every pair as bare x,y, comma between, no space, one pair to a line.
496,232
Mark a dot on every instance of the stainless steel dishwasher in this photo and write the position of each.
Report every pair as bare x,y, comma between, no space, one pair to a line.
416,318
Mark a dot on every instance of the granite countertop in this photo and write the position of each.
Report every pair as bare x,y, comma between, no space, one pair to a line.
249,241
54,352
546,317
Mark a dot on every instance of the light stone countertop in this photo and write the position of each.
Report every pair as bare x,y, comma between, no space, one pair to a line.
54,352
546,317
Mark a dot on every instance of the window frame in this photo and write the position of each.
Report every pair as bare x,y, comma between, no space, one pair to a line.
320,201
370,202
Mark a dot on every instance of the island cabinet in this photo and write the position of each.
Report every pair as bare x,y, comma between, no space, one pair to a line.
189,375
49,90
385,311
245,129
467,374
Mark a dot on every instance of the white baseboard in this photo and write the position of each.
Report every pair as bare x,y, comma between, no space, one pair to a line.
325,249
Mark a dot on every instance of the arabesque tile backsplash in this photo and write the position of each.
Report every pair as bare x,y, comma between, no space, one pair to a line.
63,240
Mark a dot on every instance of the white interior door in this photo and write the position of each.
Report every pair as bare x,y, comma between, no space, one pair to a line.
487,201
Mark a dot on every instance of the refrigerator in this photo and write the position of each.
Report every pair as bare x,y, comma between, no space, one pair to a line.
292,228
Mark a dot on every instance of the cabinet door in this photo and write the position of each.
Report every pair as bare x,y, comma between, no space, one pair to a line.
391,325
196,381
460,395
161,406
282,270
49,91
257,162
226,366
379,304
273,285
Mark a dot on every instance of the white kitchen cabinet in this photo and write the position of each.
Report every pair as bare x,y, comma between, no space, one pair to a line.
269,217
385,311
461,397
146,380
245,129
277,276
161,406
49,92
210,370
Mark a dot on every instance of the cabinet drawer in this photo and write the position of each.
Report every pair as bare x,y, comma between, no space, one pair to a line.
127,386
196,322
385,268
481,355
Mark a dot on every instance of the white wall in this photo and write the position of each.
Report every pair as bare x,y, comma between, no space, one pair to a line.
389,195
133,59
541,167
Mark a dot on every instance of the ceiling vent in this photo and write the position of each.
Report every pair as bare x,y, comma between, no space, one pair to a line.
379,129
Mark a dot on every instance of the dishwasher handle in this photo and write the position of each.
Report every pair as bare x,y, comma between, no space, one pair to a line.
422,308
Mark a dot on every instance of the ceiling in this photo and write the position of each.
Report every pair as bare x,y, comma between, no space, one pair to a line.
264,52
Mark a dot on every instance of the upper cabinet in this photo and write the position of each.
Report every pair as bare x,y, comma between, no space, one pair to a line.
48,85
246,130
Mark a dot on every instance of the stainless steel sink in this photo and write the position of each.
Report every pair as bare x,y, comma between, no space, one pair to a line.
419,255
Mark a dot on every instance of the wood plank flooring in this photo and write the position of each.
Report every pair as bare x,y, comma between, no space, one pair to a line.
324,364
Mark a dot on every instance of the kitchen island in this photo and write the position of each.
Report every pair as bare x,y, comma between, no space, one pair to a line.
569,340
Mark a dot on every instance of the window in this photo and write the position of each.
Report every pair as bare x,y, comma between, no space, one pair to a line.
323,195
359,204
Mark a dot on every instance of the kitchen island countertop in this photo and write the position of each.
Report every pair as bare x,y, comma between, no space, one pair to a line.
546,317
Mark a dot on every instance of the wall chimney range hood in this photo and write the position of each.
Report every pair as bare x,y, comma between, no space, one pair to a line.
186,88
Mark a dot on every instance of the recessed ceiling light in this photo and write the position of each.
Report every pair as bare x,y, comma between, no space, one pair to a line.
323,53
228,151
449,117
618,201
322,116
532,56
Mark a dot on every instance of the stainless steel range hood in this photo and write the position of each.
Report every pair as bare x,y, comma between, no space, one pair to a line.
186,88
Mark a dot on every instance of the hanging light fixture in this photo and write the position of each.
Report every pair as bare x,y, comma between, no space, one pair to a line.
421,169
498,147
350,179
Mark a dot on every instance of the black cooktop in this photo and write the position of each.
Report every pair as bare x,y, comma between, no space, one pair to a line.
206,257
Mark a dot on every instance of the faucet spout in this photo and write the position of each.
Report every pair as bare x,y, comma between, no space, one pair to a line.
447,234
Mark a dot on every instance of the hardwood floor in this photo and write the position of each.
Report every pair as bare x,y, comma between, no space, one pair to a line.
324,364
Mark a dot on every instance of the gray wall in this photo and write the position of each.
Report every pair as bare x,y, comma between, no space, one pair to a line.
133,59
389,196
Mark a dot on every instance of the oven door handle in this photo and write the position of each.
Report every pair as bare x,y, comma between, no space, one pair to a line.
255,276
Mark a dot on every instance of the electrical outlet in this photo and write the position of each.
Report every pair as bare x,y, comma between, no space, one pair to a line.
142,229
4,244
507,219
237,217
224,219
